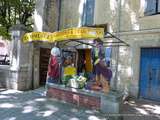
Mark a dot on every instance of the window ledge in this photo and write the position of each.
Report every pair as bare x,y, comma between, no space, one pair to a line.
149,16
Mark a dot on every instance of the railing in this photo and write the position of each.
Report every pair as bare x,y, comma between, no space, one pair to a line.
4,60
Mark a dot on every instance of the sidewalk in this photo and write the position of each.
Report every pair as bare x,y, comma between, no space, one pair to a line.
33,105
141,110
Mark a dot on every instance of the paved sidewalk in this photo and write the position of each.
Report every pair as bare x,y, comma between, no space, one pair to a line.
141,110
33,105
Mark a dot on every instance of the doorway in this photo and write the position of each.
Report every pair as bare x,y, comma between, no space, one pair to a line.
150,74
84,60
44,59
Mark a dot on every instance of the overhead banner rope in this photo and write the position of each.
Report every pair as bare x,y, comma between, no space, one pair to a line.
71,33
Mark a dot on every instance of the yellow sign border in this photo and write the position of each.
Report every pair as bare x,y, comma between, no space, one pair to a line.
71,33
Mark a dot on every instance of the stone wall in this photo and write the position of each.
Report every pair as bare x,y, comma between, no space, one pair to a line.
133,18
106,103
124,16
70,15
19,80
106,11
4,70
136,41
127,21
75,98
51,15
18,75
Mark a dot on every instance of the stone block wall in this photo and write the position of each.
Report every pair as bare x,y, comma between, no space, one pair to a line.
75,98
4,70
106,103
19,80
18,75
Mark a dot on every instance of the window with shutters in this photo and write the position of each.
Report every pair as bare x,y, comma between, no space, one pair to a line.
88,12
152,7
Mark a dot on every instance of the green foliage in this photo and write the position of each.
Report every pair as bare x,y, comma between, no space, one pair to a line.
13,12
4,33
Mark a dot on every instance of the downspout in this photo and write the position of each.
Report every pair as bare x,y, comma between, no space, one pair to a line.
117,49
59,15
32,65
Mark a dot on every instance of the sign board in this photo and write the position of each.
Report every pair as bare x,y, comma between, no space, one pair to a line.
71,33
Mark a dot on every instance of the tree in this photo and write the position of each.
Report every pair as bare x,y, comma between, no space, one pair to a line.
13,12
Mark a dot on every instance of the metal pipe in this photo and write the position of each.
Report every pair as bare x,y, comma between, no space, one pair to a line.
117,56
59,15
116,38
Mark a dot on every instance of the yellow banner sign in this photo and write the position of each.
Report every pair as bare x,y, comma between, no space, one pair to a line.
72,33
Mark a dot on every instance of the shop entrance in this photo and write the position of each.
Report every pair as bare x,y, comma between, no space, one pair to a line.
84,60
150,73
44,59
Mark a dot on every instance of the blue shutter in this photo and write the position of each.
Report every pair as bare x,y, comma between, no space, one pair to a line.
158,5
150,7
88,12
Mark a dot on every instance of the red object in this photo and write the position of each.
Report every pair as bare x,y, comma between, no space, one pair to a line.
53,67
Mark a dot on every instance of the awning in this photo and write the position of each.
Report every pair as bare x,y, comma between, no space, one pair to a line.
75,37
67,34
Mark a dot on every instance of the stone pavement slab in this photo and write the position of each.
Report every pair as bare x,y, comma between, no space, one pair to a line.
140,109
33,105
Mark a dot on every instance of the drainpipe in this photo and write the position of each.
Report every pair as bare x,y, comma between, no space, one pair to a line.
59,15
117,49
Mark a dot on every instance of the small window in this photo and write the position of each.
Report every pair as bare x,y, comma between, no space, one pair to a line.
152,7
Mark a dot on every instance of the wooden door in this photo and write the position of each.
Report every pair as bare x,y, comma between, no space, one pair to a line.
44,60
150,73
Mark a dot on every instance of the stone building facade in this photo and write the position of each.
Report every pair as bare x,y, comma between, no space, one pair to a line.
131,22
126,19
